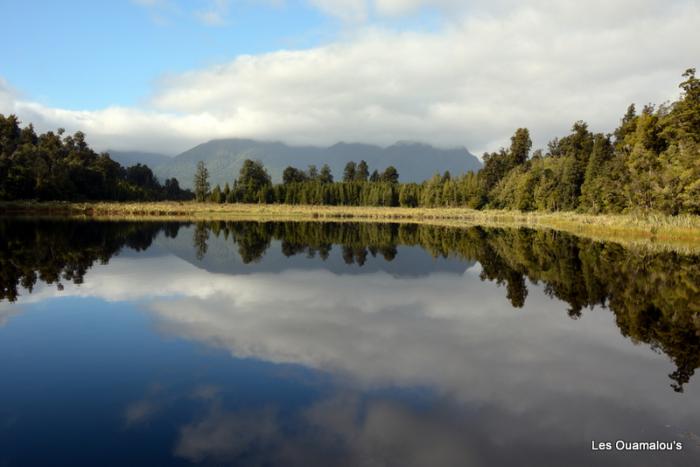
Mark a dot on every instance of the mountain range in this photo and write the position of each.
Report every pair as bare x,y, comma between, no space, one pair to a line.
415,162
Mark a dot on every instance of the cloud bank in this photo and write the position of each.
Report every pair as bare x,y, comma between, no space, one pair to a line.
492,67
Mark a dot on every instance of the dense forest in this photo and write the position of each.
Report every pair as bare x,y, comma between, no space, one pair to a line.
52,166
653,295
650,163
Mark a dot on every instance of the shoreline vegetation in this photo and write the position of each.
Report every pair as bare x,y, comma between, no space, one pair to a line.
677,233
638,185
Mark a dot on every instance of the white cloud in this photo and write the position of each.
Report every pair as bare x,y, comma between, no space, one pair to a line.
7,312
349,10
140,411
207,12
225,436
497,66
215,14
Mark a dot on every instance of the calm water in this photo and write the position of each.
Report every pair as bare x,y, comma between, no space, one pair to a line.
340,344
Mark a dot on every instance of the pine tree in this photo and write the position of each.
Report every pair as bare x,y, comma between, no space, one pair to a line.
201,182
312,173
325,176
361,172
349,172
390,175
215,196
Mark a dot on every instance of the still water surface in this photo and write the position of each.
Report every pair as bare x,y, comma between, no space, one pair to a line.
340,344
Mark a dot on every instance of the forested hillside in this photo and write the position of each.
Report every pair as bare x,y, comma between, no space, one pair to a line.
52,166
650,163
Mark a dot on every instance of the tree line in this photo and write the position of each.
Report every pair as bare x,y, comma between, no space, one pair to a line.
651,162
254,185
54,166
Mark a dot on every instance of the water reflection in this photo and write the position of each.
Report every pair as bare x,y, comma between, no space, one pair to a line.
238,343
654,296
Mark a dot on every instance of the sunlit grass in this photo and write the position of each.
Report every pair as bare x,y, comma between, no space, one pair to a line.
675,232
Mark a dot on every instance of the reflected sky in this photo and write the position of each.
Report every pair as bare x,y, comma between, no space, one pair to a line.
163,356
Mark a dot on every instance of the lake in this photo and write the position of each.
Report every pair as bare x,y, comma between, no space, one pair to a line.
243,343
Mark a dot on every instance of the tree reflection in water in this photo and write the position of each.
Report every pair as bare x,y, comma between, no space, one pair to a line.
654,295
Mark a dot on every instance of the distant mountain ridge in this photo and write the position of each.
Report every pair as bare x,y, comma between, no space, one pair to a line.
128,158
224,157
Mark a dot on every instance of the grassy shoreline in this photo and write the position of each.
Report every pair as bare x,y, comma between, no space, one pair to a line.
680,232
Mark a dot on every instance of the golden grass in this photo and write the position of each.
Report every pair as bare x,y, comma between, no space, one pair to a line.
666,232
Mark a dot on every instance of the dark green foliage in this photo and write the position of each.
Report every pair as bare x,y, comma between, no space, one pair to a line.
253,184
361,172
596,189
201,182
390,175
409,195
495,169
174,192
349,173
312,173
53,167
683,121
216,195
293,175
651,163
519,148
355,190
325,176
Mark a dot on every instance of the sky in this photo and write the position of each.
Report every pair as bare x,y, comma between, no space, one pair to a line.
166,75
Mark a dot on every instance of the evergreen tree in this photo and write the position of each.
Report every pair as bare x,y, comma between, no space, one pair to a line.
627,126
683,122
361,172
312,173
390,175
293,175
201,182
519,148
215,196
325,176
349,172
593,190
254,182
494,169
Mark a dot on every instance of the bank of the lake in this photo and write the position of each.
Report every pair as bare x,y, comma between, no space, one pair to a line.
668,232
